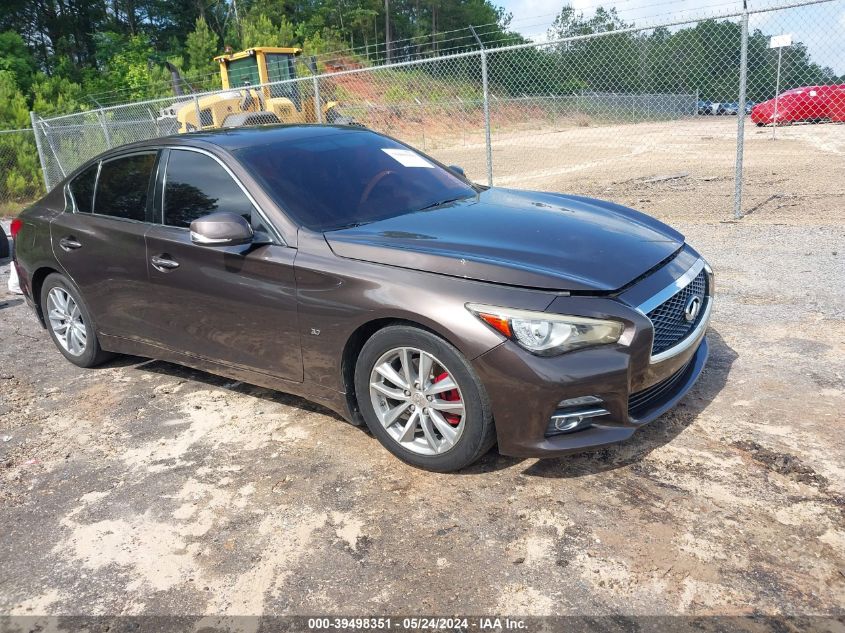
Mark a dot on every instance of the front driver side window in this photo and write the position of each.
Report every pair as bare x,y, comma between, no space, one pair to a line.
196,185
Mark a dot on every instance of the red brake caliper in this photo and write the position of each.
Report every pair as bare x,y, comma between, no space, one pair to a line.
450,396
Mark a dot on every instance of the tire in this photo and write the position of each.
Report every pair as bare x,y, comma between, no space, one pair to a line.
466,436
5,250
251,118
90,354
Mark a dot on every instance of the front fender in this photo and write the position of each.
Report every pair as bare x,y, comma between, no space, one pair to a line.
337,296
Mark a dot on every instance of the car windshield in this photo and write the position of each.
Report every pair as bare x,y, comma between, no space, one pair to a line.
332,181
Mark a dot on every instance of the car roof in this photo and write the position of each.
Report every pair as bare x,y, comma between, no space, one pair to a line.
229,139
238,138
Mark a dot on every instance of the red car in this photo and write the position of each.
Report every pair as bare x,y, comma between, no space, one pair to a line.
809,103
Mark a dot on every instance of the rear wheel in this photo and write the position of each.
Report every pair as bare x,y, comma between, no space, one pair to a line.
422,399
69,322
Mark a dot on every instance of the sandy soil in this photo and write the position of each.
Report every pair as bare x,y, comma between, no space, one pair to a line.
145,488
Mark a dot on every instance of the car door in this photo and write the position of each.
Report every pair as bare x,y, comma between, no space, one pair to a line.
99,240
234,304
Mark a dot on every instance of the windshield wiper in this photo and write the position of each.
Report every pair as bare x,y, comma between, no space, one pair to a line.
351,225
440,203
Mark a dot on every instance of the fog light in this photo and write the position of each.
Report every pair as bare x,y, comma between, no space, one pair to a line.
564,423
575,420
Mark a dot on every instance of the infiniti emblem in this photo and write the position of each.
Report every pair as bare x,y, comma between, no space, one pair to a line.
692,308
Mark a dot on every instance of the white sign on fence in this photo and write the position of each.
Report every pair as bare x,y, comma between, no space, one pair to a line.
779,41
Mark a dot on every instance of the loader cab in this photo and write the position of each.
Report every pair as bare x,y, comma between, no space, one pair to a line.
262,65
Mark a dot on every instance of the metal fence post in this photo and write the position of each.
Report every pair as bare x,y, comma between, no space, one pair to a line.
486,96
318,110
199,113
740,119
102,118
49,138
777,95
487,138
39,150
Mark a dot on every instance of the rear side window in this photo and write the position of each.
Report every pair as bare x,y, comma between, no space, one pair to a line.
82,189
123,185
196,185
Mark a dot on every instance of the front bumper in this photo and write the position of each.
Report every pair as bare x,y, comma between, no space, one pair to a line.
526,390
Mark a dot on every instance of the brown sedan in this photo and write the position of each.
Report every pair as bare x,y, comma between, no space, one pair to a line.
348,268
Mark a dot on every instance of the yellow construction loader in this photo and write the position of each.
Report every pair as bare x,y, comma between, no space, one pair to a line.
246,99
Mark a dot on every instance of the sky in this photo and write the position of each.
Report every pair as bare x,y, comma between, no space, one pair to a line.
821,26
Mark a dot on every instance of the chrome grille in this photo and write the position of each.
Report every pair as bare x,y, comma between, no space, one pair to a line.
670,325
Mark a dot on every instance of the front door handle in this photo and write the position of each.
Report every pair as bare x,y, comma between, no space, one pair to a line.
69,243
163,263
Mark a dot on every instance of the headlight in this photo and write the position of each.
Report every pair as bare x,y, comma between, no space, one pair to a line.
548,334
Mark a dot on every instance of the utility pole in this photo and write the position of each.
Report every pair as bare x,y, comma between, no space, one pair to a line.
387,30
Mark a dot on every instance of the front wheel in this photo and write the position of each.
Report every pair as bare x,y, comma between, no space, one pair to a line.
422,399
69,322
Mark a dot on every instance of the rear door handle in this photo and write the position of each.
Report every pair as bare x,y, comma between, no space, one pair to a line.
69,243
163,263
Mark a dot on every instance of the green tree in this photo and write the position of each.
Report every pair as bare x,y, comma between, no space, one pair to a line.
17,59
20,179
201,46
258,30
14,112
133,69
56,95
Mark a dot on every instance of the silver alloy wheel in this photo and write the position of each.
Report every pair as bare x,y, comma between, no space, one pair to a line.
417,401
66,321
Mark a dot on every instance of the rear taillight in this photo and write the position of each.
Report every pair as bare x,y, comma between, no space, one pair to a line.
17,223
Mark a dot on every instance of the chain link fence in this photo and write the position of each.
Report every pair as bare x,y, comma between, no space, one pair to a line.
21,180
796,167
658,117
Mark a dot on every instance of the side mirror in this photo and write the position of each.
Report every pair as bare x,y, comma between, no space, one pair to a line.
221,229
458,170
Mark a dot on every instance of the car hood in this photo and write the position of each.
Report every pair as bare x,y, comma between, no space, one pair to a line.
528,239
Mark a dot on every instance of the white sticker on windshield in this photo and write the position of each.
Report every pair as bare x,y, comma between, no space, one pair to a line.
407,158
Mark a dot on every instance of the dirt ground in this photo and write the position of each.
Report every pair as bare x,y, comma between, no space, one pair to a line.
679,171
145,488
